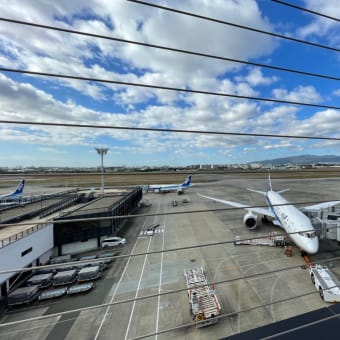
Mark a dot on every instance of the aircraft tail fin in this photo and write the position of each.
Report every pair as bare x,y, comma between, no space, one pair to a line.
20,188
270,182
187,182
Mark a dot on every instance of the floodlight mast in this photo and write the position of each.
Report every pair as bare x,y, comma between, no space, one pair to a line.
102,152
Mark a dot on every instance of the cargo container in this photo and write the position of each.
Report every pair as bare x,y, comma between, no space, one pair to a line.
23,295
88,274
80,288
52,293
64,278
42,280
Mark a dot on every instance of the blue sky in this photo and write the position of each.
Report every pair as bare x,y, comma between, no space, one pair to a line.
29,98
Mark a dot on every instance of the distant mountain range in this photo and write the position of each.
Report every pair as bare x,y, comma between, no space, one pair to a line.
304,159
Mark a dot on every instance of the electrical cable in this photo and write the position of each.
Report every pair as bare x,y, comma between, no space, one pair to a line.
232,314
306,10
171,49
235,25
168,250
224,315
139,298
105,218
167,88
202,132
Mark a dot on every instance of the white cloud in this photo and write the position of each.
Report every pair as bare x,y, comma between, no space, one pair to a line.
320,26
255,77
307,94
32,48
39,99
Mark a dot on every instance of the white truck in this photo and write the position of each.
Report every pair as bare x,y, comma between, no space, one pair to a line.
204,304
325,282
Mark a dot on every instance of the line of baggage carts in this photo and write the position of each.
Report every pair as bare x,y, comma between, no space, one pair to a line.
69,279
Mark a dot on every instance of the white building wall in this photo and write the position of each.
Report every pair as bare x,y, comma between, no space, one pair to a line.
78,247
12,256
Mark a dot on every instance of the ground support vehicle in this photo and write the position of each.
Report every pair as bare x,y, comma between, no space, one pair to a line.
89,274
52,293
272,240
325,282
64,278
23,295
106,257
42,280
80,288
204,303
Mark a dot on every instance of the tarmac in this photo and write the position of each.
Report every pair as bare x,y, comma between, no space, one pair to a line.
256,286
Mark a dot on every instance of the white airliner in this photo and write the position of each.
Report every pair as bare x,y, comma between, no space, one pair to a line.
15,195
169,187
286,216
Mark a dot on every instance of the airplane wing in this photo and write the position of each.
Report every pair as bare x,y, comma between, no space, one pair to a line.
261,211
323,205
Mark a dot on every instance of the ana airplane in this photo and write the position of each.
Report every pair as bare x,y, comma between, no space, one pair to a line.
15,195
284,215
170,187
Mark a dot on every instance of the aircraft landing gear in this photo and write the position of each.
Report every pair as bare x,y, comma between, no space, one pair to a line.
265,219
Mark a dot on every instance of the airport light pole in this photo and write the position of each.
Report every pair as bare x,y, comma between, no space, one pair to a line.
102,152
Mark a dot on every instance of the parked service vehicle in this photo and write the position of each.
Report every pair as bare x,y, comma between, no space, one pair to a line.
106,257
113,241
149,232
64,278
204,304
174,203
23,295
325,282
88,274
42,280
151,229
80,288
52,293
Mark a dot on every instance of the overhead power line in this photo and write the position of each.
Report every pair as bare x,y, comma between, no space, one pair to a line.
168,292
201,132
153,252
171,49
74,220
253,29
159,87
306,10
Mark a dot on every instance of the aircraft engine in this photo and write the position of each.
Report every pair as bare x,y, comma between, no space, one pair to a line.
250,220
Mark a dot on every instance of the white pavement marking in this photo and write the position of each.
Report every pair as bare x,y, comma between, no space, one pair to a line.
139,283
136,295
116,289
160,282
157,231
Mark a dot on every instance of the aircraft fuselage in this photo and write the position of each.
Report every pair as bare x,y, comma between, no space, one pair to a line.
294,222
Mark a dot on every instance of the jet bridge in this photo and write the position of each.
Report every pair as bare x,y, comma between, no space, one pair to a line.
326,222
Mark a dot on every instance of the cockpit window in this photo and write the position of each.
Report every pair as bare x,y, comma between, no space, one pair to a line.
309,234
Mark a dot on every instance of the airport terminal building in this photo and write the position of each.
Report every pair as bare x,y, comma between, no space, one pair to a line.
23,246
75,237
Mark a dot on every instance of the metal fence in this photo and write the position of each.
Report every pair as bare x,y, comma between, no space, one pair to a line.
13,238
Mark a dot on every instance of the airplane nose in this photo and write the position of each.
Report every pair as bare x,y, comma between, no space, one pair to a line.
313,247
